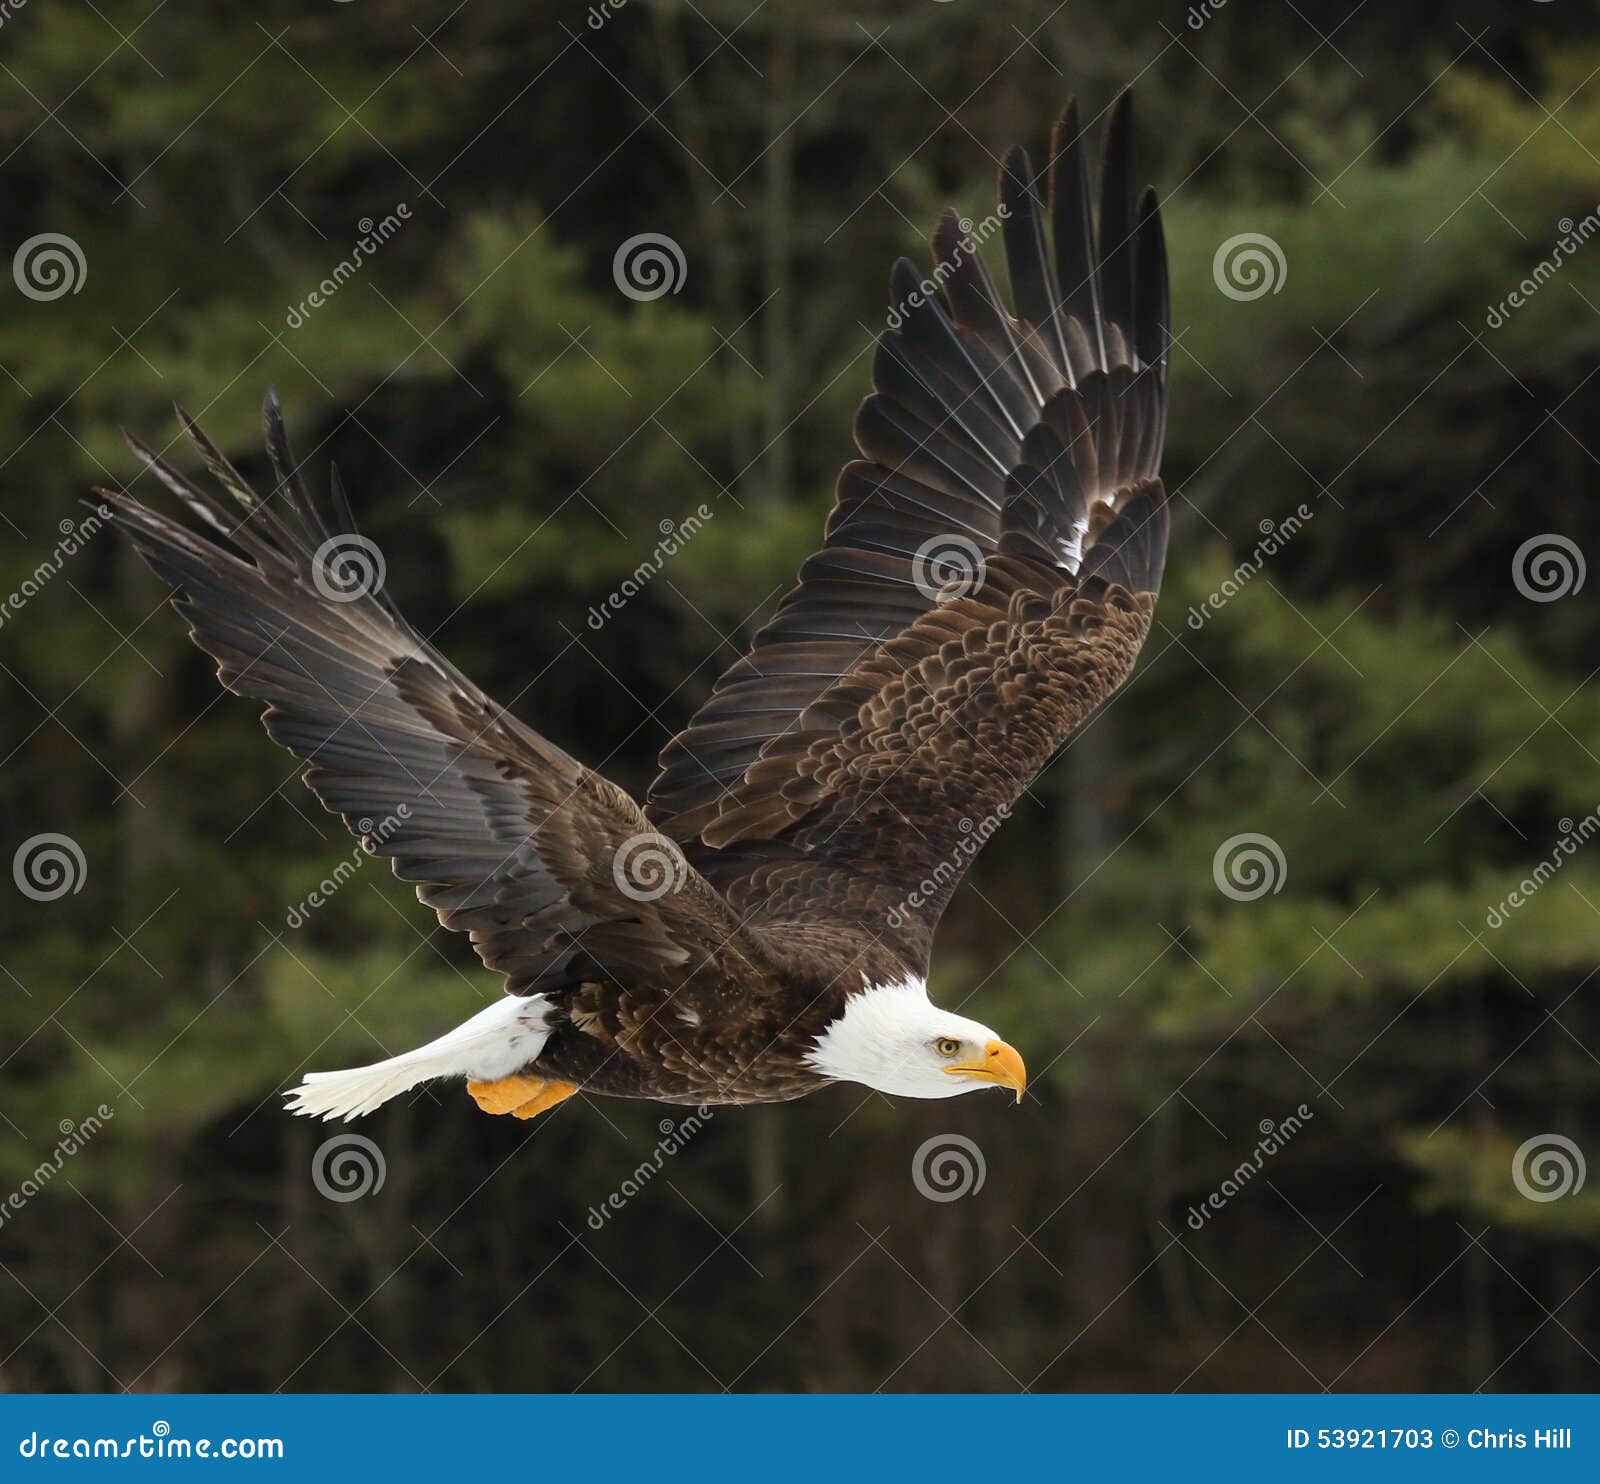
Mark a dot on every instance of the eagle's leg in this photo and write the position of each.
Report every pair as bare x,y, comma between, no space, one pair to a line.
523,1096
554,1092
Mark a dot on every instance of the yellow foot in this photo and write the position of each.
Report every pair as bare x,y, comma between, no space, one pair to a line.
554,1092
525,1097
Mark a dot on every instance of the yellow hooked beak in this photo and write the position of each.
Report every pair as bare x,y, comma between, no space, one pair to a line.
1001,1067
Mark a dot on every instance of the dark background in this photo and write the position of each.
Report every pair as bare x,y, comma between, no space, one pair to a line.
1381,699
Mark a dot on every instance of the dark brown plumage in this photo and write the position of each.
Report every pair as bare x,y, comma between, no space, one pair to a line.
985,581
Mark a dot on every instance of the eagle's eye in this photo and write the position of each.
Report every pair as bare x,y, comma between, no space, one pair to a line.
947,1046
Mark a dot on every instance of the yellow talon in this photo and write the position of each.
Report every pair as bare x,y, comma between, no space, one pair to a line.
554,1092
505,1094
523,1097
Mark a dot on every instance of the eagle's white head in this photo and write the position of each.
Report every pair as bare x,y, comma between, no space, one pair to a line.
893,1039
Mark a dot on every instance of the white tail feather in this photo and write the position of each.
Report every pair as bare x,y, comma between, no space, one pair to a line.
494,1043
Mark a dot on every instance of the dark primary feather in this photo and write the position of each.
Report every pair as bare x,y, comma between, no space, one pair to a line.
510,839
841,771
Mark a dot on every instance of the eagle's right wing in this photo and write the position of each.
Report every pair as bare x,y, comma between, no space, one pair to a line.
985,581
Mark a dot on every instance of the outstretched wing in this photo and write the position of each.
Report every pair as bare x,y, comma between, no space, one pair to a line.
985,581
555,873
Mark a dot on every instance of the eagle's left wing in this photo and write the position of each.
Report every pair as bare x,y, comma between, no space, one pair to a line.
986,580
554,872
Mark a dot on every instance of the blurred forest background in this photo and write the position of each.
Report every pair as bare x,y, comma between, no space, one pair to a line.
1383,700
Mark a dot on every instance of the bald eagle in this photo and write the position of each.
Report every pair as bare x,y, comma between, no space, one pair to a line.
762,924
